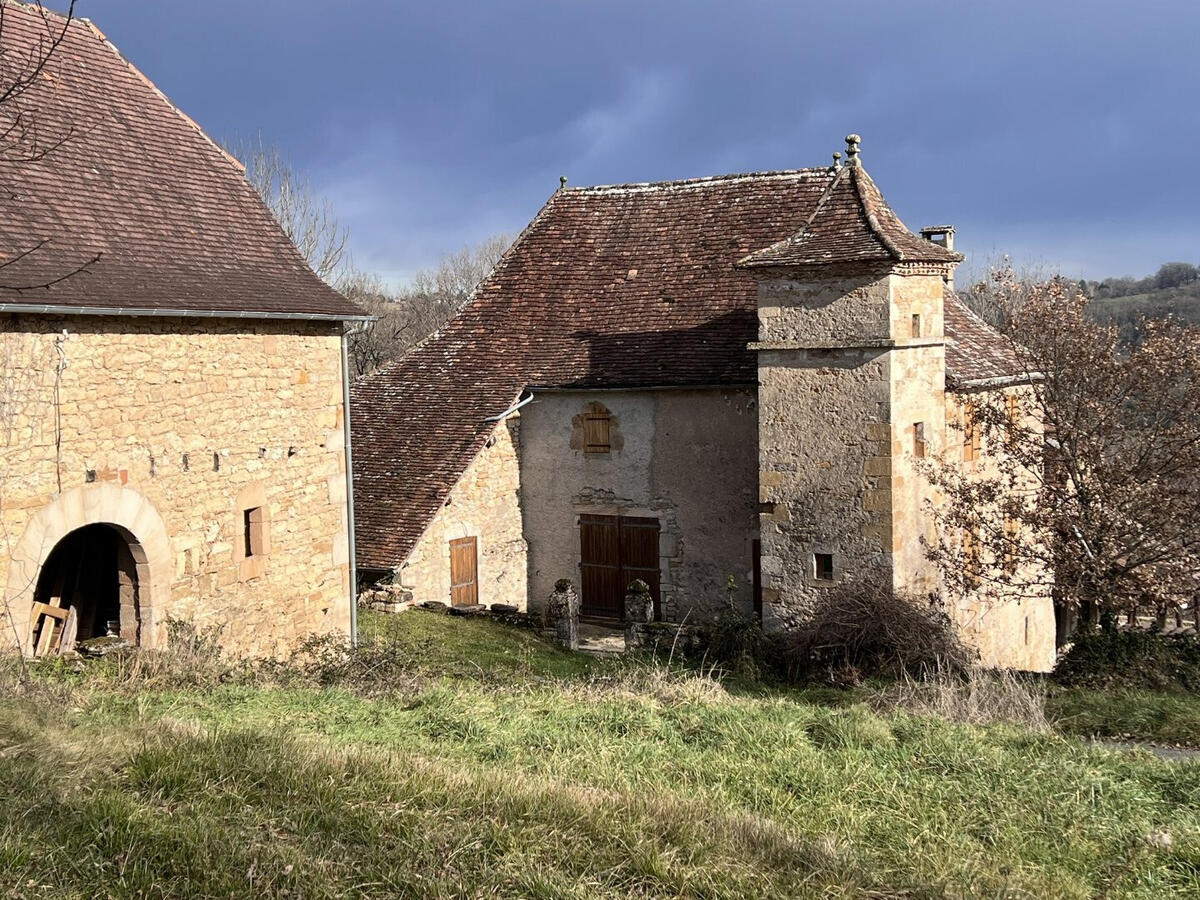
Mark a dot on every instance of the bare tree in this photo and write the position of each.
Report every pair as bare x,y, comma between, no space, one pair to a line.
308,220
1089,481
408,316
26,135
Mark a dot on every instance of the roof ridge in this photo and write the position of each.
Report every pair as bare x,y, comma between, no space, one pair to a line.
237,164
702,181
870,214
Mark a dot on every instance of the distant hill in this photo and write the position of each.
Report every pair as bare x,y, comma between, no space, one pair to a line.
1173,290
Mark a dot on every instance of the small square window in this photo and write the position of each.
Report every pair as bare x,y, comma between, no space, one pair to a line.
919,444
823,566
253,532
916,325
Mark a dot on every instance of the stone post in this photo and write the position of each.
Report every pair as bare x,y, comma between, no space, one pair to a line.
562,615
639,611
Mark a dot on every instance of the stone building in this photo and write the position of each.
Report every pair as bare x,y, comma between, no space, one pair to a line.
173,387
722,386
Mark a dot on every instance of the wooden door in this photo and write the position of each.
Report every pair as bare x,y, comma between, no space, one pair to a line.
464,572
615,550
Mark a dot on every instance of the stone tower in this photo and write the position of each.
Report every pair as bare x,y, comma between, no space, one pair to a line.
851,367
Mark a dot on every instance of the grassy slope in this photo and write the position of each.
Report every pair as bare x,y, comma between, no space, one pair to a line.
1164,717
564,777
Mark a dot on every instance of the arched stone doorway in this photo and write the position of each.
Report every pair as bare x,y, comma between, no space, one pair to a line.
125,513
91,574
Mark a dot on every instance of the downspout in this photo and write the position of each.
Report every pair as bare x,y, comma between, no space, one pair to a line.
349,492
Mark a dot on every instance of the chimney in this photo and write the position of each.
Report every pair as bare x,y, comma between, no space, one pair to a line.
943,236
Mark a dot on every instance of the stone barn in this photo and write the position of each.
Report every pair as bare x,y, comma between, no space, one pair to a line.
721,386
172,379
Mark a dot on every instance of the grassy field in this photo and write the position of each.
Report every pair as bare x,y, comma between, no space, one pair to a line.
461,758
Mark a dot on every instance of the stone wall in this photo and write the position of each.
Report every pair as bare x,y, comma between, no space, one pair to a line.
684,457
825,477
171,429
484,504
1010,627
918,385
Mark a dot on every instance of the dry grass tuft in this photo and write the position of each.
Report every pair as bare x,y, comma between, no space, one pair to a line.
971,697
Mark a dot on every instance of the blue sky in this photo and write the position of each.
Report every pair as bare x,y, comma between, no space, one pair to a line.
1061,132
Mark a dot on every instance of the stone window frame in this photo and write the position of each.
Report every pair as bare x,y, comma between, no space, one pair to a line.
251,500
824,572
920,440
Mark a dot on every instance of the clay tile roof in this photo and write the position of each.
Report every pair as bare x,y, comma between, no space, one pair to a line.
175,224
975,351
622,286
852,223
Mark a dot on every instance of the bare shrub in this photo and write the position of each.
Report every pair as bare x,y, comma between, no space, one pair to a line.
971,696
371,669
863,628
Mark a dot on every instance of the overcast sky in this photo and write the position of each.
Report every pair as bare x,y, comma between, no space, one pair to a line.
1064,133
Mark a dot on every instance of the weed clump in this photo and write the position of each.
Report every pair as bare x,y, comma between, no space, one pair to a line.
860,629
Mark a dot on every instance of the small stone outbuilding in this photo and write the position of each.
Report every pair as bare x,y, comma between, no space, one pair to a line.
172,379
722,387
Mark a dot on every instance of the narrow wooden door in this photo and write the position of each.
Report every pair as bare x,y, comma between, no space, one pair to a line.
615,550
464,572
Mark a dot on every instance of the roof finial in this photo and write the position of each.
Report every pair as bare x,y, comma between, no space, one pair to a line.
837,160
562,182
852,145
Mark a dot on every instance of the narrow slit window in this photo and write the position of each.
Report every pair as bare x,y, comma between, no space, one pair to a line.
597,430
823,566
916,325
919,442
252,531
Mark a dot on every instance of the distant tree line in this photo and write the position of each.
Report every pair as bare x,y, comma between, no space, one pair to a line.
405,315
1169,275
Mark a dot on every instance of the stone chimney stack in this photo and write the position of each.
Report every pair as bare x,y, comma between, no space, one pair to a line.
943,236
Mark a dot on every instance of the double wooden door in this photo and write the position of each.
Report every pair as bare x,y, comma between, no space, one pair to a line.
614,551
464,572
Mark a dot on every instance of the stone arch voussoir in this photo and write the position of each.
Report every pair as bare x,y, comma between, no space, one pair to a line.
92,504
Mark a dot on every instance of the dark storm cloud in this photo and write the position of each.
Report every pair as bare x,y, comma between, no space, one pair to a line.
1056,131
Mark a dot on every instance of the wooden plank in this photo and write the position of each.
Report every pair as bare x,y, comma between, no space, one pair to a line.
601,593
54,612
464,572
70,631
49,626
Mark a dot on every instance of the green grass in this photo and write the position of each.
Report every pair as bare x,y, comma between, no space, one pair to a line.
552,775
1161,716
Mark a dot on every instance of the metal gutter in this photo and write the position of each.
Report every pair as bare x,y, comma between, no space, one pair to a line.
512,409
349,494
158,312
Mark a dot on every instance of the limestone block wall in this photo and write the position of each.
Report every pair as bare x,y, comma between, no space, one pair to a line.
918,385
1010,628
826,446
839,311
684,457
485,504
171,429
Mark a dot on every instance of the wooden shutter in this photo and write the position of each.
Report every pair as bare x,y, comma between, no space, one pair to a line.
597,428
464,572
613,552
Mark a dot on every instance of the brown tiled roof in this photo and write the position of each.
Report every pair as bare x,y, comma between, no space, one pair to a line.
175,224
851,223
975,351
632,285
